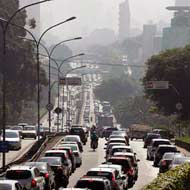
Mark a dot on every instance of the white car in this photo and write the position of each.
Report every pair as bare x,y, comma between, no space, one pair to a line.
76,151
29,177
29,132
13,137
10,185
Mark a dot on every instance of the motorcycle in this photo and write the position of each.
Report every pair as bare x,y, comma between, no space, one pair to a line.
94,144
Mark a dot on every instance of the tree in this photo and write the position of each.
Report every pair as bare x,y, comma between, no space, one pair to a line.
20,63
173,66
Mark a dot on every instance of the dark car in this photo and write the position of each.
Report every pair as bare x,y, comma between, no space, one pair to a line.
149,138
126,168
167,160
153,146
70,154
46,172
160,152
108,131
80,132
94,183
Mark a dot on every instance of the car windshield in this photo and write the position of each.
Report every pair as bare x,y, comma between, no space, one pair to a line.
73,147
41,166
71,139
18,174
157,143
29,128
124,163
108,175
5,187
121,150
51,161
91,184
55,154
11,134
162,150
181,160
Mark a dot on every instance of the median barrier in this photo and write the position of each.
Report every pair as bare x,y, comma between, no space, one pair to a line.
182,144
177,178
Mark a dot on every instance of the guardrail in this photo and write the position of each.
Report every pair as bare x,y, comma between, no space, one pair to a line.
32,154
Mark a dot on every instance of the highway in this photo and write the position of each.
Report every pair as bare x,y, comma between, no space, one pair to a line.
15,154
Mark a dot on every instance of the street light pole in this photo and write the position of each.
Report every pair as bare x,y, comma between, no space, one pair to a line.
4,72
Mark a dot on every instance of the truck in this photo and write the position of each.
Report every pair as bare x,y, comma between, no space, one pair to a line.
138,131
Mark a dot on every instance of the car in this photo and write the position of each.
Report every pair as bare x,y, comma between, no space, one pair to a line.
45,171
10,185
29,131
54,163
18,128
73,138
65,159
126,168
80,132
76,151
160,152
121,133
167,160
108,131
117,140
132,157
111,174
149,137
28,177
119,169
153,145
13,138
119,149
178,161
70,154
94,183
110,145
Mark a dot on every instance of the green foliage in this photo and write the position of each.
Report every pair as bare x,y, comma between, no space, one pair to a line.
173,66
20,64
175,179
184,139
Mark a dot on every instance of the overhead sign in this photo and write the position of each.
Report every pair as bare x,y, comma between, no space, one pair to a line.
4,146
71,81
157,85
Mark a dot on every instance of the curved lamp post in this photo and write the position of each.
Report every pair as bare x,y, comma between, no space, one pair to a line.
4,28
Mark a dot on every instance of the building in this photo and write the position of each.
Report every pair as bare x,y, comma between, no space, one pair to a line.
148,40
32,12
177,35
182,2
124,20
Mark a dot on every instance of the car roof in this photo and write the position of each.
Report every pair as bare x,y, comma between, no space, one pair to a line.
128,147
94,178
124,153
19,167
102,169
110,166
76,136
119,158
167,140
165,145
117,139
50,157
55,151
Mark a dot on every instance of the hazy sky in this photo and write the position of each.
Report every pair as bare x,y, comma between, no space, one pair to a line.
93,14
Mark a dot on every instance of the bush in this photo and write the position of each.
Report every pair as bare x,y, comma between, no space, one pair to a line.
175,179
184,139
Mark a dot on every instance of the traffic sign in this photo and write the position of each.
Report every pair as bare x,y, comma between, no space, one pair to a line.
157,85
58,110
49,107
179,106
4,146
71,81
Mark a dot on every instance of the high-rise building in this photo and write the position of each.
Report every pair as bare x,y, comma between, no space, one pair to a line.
124,20
182,2
32,12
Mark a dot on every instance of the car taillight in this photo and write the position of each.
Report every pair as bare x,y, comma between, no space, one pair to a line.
46,175
113,178
163,162
33,183
130,171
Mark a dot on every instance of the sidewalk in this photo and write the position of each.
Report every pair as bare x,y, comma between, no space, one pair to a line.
185,152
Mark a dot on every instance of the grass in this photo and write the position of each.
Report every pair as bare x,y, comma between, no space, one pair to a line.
184,139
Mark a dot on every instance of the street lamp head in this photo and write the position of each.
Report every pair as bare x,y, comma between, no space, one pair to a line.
81,54
71,18
78,38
